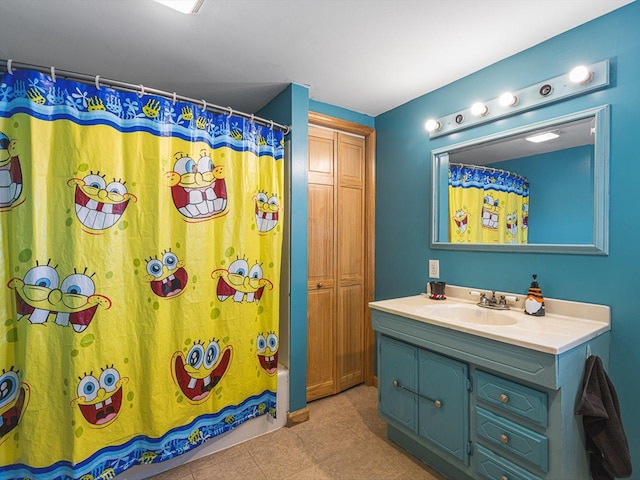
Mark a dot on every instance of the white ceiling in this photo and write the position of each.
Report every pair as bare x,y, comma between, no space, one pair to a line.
365,55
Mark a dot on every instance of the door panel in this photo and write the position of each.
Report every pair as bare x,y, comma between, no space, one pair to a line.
447,426
321,263
398,361
321,339
351,249
350,320
351,155
321,155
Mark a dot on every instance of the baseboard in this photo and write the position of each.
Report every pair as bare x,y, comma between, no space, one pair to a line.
297,417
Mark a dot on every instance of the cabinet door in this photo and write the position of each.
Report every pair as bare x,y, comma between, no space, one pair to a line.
398,362
446,423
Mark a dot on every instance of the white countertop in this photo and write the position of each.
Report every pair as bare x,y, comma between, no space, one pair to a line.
565,325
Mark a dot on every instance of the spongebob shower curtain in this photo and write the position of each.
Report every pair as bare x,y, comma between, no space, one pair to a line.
141,251
487,205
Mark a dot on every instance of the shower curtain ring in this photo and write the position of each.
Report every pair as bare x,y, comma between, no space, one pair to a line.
53,74
204,104
9,69
141,92
230,112
251,118
287,130
98,82
271,124
174,98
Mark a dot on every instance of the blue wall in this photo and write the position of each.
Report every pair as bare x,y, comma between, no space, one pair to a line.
341,113
403,198
561,194
291,107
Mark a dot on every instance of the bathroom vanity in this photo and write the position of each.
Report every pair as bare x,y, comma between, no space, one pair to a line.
477,393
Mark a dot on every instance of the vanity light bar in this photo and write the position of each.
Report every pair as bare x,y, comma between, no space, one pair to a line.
579,81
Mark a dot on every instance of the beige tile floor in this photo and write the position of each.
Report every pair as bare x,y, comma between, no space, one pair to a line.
344,439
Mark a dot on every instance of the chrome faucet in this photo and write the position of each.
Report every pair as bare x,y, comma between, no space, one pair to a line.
493,302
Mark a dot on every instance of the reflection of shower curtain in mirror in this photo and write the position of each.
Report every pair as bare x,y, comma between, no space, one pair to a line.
487,205
139,276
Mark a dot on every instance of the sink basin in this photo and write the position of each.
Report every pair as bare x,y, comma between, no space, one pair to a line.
470,314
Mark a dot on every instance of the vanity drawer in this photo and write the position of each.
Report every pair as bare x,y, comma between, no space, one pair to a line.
513,438
512,397
494,467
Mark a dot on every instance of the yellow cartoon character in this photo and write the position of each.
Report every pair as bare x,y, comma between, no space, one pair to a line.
73,302
99,400
201,370
14,397
240,282
99,205
512,224
10,173
267,209
198,188
167,276
461,219
490,213
268,352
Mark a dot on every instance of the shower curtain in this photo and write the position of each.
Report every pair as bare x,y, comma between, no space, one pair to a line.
487,205
140,268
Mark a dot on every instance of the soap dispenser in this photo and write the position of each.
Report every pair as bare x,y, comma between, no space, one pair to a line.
534,303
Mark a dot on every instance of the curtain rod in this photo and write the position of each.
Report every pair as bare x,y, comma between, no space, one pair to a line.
9,66
485,169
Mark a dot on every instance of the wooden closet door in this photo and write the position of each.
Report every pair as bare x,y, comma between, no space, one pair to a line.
336,278
321,287
350,261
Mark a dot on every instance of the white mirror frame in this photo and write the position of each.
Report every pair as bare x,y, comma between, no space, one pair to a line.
600,245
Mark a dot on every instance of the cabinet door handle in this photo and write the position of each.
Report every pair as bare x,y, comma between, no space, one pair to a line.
319,285
504,398
504,439
436,403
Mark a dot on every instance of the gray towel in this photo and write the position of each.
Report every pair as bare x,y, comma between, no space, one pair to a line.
607,445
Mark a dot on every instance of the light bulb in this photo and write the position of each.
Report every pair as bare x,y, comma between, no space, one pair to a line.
508,99
479,109
580,74
432,125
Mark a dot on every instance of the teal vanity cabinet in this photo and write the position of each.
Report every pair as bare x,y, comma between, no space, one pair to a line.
478,408
422,391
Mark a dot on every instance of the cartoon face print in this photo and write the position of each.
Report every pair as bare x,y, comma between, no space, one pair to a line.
268,352
525,215
198,188
71,302
462,220
167,276
241,282
99,205
100,399
267,209
512,224
201,369
14,397
10,173
490,213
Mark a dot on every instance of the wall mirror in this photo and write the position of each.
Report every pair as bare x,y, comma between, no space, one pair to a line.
524,196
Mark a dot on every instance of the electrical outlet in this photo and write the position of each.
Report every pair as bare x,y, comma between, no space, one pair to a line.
434,268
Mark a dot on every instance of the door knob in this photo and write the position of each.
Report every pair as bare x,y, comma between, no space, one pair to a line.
504,439
504,398
320,285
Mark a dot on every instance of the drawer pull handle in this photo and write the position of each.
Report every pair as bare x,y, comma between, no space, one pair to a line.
504,398
436,403
504,439
503,477
320,285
